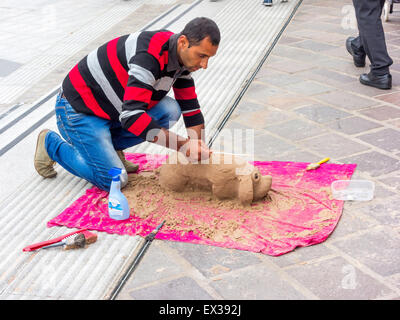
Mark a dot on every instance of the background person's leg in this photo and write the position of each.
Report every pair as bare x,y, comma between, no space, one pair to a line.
368,13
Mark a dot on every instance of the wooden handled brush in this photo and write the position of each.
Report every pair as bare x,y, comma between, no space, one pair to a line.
313,166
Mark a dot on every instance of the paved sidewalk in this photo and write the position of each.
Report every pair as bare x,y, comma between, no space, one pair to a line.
306,103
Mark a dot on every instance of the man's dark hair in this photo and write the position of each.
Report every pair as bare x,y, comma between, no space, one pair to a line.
200,28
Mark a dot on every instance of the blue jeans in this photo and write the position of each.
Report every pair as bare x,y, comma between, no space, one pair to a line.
89,148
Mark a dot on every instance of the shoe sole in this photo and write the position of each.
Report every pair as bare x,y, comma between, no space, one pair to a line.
34,162
376,86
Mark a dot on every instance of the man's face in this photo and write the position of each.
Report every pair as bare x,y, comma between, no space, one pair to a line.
195,57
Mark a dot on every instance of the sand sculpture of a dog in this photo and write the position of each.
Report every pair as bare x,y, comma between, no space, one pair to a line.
226,176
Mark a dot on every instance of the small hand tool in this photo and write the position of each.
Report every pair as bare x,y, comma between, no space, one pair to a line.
90,237
313,166
70,242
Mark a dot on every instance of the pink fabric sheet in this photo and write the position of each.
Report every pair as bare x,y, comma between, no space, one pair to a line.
309,219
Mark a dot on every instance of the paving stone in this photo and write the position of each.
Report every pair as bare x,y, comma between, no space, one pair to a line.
322,113
308,88
382,113
296,129
326,76
361,89
352,220
269,146
302,33
260,144
346,100
391,98
395,123
236,140
395,54
183,288
290,101
389,36
234,125
382,192
395,80
299,54
313,45
255,283
301,255
395,67
395,279
295,156
328,37
337,279
261,92
155,265
386,212
386,139
392,182
211,260
339,52
276,78
353,125
374,163
344,66
267,73
377,249
327,27
333,145
288,39
246,106
290,66
262,118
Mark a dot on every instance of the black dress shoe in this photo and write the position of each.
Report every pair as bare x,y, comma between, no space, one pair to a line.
380,82
358,58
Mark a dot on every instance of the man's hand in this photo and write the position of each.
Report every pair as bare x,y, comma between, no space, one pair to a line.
195,150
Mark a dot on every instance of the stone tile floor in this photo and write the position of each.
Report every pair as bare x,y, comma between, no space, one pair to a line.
306,103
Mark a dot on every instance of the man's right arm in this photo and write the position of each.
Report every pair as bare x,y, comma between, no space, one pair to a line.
144,71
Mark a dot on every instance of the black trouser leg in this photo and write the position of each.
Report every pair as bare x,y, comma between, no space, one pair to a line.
371,35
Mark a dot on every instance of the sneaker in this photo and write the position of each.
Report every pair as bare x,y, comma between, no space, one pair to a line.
129,166
42,162
267,3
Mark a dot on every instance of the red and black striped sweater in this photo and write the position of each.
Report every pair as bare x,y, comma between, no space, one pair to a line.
127,76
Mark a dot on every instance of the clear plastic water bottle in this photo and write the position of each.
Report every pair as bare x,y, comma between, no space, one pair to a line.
118,207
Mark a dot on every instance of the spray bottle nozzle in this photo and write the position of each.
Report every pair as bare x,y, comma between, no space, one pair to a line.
115,173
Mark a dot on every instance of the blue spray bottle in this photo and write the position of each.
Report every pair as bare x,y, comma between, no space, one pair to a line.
118,207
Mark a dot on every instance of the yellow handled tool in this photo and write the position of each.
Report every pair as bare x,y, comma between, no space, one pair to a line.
313,166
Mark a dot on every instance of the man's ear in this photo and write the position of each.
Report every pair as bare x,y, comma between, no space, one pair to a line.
183,41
